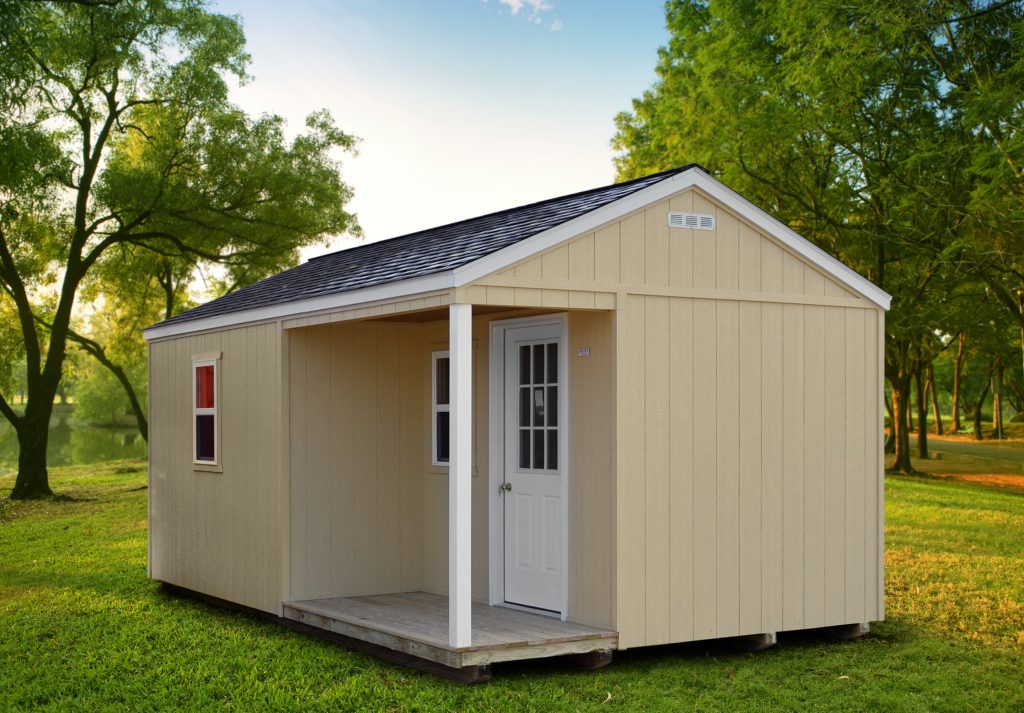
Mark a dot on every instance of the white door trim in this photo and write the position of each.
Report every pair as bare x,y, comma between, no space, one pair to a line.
496,451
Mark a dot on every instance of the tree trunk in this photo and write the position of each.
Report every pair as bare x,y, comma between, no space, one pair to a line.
901,424
997,400
978,436
957,369
930,385
33,480
922,413
890,440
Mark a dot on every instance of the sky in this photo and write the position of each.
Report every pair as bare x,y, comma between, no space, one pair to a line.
462,107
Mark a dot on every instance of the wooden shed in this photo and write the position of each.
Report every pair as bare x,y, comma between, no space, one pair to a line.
641,414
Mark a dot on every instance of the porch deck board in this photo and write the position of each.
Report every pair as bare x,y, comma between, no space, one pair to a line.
417,623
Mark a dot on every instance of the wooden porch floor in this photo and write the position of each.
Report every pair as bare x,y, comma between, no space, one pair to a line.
416,623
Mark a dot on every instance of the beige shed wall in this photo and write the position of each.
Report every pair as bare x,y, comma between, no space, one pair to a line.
749,488
356,447
747,435
219,533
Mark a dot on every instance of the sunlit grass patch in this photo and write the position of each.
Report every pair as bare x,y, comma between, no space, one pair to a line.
84,629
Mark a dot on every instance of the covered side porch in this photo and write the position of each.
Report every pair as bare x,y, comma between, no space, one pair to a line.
400,545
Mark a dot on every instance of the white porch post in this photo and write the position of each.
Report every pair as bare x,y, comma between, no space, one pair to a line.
460,467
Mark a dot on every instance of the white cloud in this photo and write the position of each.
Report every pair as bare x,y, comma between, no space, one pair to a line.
533,7
556,26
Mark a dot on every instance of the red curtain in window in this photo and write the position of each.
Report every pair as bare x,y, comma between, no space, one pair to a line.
204,386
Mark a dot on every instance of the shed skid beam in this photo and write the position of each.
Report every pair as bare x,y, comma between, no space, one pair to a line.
460,378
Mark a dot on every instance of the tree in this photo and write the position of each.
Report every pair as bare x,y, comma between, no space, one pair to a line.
118,136
830,115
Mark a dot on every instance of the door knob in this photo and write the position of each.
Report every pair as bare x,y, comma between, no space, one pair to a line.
505,487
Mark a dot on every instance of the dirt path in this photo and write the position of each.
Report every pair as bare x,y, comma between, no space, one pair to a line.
976,450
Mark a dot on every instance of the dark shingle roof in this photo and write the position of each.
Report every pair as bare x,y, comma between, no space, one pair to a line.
417,254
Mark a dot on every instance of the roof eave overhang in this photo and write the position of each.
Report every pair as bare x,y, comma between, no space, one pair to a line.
401,289
506,257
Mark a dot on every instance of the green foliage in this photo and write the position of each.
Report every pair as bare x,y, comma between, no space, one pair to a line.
88,631
865,127
125,172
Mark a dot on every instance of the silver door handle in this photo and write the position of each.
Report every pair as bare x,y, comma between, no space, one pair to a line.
505,488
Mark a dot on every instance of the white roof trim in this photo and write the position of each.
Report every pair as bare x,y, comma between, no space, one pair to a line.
502,259
375,293
692,178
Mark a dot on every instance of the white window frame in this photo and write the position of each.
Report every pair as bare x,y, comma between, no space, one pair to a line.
197,411
436,408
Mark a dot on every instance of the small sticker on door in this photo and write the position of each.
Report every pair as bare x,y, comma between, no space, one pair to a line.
583,351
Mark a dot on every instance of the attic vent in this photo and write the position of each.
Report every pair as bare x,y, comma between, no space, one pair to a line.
693,221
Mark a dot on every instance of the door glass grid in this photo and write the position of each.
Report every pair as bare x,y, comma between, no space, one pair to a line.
538,406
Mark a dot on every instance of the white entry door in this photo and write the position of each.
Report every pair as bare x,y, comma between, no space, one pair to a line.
532,486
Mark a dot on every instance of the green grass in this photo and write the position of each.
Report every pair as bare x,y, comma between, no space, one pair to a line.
81,628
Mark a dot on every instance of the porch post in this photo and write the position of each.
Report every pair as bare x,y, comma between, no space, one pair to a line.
460,466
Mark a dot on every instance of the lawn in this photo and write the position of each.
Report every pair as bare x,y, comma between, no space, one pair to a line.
81,628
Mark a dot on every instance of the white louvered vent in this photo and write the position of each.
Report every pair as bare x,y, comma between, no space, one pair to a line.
693,221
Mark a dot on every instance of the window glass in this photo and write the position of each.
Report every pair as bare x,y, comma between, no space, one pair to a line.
204,386
442,437
440,409
205,440
204,412
538,406
441,379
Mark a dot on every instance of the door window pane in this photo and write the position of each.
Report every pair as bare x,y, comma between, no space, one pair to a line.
524,365
552,449
524,406
524,448
552,404
538,448
538,363
538,406
553,363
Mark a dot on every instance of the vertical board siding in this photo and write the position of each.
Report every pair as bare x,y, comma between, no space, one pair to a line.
814,467
657,505
793,493
219,533
727,475
681,419
834,470
745,500
631,579
750,470
705,465
355,406
591,483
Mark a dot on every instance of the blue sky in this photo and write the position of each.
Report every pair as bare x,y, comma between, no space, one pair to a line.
463,106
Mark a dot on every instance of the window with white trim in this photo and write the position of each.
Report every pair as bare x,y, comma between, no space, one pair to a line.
440,408
205,440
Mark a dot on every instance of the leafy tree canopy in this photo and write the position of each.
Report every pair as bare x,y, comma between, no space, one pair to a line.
119,148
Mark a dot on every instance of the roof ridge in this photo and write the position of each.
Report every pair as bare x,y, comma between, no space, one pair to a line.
376,243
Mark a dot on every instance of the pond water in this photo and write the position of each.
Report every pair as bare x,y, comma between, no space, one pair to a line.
75,443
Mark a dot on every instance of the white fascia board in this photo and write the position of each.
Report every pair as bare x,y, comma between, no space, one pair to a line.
794,241
693,178
376,293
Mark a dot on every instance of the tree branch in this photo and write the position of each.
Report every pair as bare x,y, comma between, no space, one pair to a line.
19,294
97,352
9,413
